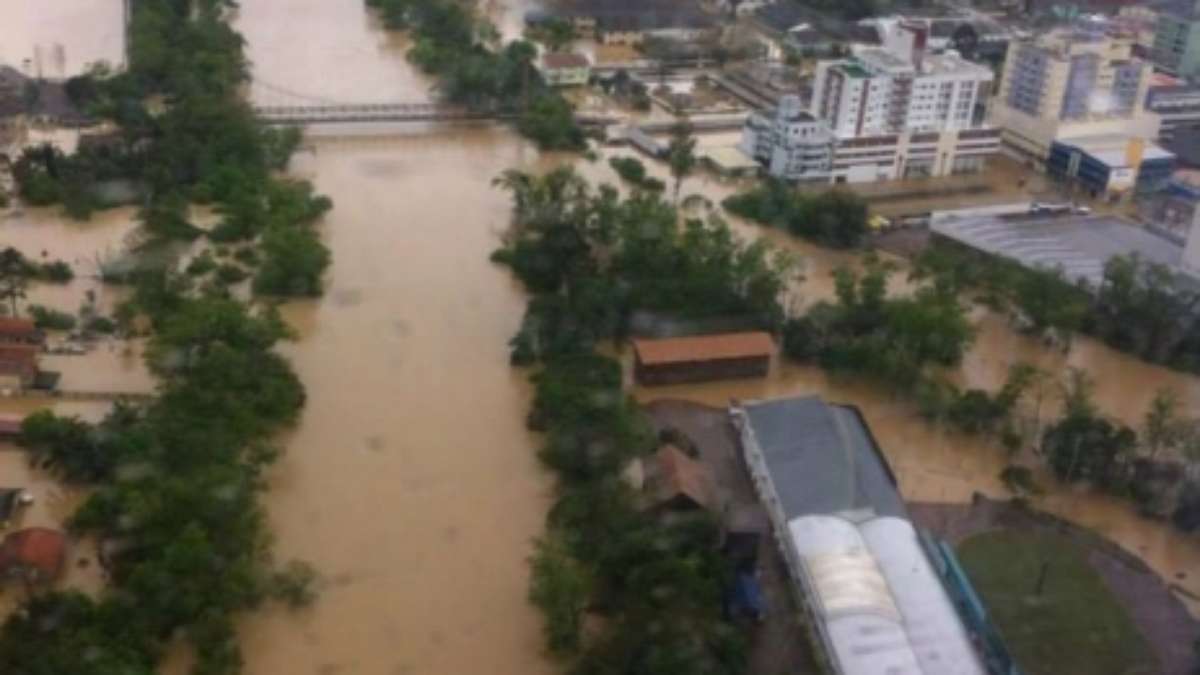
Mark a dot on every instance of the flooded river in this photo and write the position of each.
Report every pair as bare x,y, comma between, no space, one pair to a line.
410,482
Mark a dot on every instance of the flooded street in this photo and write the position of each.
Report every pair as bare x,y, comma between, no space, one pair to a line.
410,482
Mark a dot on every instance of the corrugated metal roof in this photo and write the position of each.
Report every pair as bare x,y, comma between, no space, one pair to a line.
881,608
1079,245
701,348
824,454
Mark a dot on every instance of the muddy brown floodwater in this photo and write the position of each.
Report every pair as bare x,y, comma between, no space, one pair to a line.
410,482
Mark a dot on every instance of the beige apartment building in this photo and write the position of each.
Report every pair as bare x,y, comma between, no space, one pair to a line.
1068,85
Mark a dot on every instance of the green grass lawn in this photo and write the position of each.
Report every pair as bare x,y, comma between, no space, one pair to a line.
1075,627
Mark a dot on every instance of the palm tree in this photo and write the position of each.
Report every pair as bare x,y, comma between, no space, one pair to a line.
13,277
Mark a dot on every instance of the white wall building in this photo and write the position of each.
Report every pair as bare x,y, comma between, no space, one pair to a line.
890,113
899,88
791,143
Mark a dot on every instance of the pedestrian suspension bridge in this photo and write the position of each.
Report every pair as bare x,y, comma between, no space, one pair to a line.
276,105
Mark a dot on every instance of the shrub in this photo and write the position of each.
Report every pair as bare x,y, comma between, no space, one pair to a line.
51,319
58,272
630,169
201,265
101,324
1019,480
231,274
294,584
247,256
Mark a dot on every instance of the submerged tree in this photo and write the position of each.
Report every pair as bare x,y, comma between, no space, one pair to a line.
1083,445
561,587
681,152
13,277
1162,427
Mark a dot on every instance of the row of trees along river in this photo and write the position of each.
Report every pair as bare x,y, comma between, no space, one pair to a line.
410,482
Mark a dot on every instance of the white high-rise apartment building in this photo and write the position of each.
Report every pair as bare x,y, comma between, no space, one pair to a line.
895,112
899,88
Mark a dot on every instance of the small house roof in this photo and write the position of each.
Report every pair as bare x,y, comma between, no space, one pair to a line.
18,358
678,474
556,60
37,552
12,327
10,425
703,348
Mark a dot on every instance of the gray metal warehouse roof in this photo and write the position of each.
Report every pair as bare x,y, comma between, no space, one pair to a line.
822,458
1080,245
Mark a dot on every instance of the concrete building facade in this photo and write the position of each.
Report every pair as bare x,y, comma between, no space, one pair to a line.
1177,106
897,112
899,88
1177,40
1112,166
1071,84
791,143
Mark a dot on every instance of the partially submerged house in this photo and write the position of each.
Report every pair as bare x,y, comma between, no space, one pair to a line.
20,331
18,366
35,555
26,99
10,427
702,358
674,481
565,69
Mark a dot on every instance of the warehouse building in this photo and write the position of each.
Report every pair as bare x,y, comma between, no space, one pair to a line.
874,600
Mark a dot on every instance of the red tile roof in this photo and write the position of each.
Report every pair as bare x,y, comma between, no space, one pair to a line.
704,348
36,553
564,60
10,426
677,474
21,329
18,359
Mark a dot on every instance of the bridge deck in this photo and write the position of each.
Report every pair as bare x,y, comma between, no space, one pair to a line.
389,112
